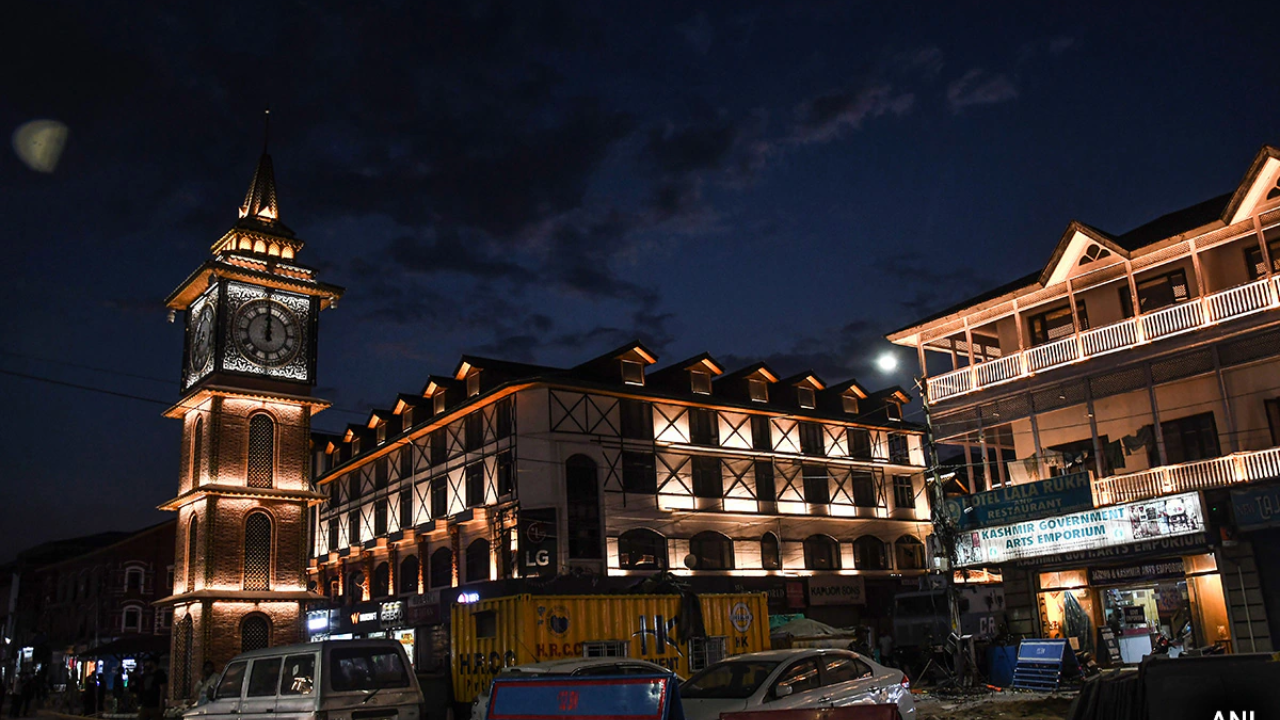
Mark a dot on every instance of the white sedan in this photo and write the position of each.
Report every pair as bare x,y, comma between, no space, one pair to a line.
796,678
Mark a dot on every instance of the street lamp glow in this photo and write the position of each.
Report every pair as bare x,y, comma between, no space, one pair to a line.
887,362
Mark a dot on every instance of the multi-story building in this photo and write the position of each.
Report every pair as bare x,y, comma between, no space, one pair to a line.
1148,360
96,608
505,478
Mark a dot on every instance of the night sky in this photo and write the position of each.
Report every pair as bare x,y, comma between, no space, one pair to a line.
543,182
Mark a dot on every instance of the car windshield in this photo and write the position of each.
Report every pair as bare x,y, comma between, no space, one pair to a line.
366,668
732,679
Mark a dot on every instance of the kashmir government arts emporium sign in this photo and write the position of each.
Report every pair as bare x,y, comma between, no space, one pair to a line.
1016,503
1165,517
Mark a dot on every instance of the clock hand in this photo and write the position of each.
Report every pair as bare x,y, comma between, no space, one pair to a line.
267,335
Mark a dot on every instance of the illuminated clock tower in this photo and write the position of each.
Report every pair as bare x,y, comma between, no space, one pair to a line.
244,486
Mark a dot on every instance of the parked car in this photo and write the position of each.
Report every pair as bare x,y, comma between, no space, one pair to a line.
335,678
795,678
570,667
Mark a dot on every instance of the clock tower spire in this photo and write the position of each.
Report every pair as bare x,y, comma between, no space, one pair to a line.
244,487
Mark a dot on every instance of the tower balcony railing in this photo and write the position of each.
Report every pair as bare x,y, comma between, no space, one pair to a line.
1189,316
1241,467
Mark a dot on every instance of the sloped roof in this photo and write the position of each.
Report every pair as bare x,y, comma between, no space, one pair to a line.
261,207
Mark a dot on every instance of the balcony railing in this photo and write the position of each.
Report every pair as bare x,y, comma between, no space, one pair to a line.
1166,322
1240,467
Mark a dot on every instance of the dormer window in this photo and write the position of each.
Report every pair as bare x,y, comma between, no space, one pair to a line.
1094,252
850,404
437,401
632,372
406,418
355,446
757,390
700,382
805,396
894,410
381,433
473,384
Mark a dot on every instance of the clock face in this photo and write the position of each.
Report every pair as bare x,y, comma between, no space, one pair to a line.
267,332
202,339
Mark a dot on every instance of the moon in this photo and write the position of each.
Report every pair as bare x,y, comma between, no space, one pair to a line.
39,144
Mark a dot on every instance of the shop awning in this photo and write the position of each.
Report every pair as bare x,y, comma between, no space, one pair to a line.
131,647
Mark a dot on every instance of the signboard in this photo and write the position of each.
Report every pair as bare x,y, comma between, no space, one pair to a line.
423,609
1155,570
538,555
1256,507
837,590
1194,544
1135,615
1111,644
586,698
1137,522
1018,503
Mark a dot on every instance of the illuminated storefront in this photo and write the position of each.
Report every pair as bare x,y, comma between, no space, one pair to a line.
1113,580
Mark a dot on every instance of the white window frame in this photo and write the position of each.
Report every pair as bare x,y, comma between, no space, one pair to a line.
473,384
758,390
700,382
124,618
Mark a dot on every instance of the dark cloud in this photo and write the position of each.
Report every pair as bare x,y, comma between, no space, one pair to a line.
836,354
924,288
448,252
979,87
688,149
826,116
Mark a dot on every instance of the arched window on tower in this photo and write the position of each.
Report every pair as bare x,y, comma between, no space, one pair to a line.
197,449
185,638
257,552
262,451
381,581
193,536
407,579
255,632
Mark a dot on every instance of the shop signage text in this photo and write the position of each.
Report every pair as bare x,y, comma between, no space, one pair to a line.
1026,501
1257,507
1164,517
837,590
538,556
1157,570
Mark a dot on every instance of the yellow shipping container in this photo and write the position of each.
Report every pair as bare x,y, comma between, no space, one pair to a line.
492,634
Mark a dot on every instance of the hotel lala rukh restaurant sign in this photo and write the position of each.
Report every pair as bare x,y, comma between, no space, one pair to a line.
1126,524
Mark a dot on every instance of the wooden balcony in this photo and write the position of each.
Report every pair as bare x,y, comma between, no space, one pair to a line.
1185,317
1241,467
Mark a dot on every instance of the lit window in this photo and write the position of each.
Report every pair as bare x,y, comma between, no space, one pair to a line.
406,419
700,381
473,384
805,396
757,390
382,433
632,372
850,404
642,550
438,402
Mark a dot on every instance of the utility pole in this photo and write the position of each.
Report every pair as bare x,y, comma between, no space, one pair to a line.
944,528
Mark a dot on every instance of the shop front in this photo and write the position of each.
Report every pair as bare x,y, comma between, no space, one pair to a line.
1116,581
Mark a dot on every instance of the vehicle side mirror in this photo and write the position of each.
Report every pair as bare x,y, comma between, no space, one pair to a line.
782,691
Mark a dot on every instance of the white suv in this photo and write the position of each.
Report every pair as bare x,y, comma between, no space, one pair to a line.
797,678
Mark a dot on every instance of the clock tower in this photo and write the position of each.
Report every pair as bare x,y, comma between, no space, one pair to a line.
244,487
